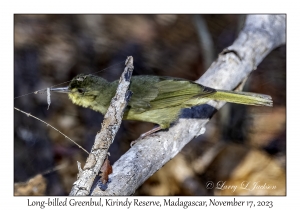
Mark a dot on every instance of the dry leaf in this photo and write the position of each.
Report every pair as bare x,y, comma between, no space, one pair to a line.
105,170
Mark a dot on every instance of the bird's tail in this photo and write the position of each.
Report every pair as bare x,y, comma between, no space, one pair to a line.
243,98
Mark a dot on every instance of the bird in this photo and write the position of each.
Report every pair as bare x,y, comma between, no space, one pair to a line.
155,99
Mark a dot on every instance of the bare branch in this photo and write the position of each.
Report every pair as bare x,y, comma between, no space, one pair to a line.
205,39
110,126
260,35
30,115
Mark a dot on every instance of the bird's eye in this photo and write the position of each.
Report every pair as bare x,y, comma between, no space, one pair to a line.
80,90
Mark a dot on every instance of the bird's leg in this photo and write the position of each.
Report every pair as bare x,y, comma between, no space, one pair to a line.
153,130
145,134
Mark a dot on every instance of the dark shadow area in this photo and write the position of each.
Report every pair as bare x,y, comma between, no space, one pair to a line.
203,111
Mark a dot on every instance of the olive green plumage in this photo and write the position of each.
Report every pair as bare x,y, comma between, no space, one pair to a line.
155,99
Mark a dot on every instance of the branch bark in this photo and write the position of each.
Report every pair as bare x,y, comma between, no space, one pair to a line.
260,35
103,140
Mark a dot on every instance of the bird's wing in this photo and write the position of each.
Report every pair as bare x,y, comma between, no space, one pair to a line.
143,92
162,92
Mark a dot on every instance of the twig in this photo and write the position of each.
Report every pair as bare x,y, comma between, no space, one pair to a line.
105,137
261,34
205,39
30,115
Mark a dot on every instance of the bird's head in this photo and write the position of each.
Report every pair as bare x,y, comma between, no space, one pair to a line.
83,89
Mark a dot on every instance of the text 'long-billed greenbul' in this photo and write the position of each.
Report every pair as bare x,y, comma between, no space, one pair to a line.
155,99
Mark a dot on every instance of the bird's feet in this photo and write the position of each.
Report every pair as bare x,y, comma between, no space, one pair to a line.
135,141
145,134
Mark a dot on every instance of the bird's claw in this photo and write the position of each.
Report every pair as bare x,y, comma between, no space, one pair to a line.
141,138
135,141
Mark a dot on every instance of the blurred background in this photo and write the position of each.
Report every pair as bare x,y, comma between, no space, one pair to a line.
242,144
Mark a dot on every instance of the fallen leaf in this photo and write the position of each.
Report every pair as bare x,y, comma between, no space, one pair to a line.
105,170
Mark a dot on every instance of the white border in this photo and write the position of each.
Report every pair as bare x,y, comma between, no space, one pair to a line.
153,6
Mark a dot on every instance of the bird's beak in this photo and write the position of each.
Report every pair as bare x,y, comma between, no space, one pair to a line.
61,90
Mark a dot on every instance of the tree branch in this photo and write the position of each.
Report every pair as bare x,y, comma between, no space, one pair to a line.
103,140
260,35
205,39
